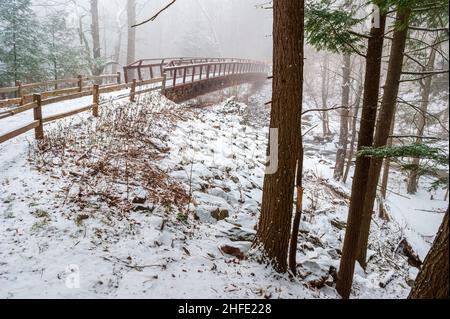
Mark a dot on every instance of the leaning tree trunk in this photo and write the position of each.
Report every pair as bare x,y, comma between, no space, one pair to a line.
276,214
384,124
343,135
432,281
298,209
426,91
365,139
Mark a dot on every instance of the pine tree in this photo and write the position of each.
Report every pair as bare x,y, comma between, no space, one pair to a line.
64,54
21,43
384,123
365,139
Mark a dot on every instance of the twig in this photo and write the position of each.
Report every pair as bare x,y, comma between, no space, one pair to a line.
156,15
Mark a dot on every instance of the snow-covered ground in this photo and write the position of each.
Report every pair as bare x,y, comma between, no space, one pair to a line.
69,231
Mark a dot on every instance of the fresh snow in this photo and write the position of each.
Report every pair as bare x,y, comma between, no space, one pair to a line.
217,154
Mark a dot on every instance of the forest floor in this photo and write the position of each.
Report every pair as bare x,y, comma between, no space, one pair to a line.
159,200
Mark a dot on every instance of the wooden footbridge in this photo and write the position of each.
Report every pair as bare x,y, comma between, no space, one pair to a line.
187,78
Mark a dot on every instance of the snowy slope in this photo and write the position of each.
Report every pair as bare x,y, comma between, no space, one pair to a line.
48,241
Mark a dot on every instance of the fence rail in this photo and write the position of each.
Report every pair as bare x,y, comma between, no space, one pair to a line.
23,94
178,72
95,91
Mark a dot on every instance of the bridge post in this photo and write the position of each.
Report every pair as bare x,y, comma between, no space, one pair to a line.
174,77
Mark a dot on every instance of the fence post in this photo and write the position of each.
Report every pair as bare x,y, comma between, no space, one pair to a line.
19,91
96,99
163,88
80,83
37,112
133,91
119,78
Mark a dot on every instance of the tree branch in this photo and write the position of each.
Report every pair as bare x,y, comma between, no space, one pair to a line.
156,15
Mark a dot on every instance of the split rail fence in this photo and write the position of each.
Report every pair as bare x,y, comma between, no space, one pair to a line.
178,72
38,101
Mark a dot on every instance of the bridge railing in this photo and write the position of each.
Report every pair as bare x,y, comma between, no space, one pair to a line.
151,68
189,73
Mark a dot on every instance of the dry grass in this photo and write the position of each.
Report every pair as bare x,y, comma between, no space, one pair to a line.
111,159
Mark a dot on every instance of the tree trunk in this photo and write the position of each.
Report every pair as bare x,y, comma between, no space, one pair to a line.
343,135
426,90
384,124
131,47
387,163
325,89
131,43
365,139
277,204
355,115
432,281
298,210
95,31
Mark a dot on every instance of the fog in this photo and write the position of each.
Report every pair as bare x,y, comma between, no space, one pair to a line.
194,28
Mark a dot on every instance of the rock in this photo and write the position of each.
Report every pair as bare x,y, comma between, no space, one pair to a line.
220,214
338,224
143,208
387,279
241,234
334,254
156,222
315,241
413,258
139,200
233,251
140,196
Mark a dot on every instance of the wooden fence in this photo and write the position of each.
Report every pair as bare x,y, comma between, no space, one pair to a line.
38,102
23,93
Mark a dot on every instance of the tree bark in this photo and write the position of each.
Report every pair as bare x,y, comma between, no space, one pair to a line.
355,115
384,124
131,47
343,133
365,139
95,31
276,214
387,163
325,89
298,210
433,278
425,94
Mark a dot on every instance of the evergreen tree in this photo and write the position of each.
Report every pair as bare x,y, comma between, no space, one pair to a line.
65,57
20,40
